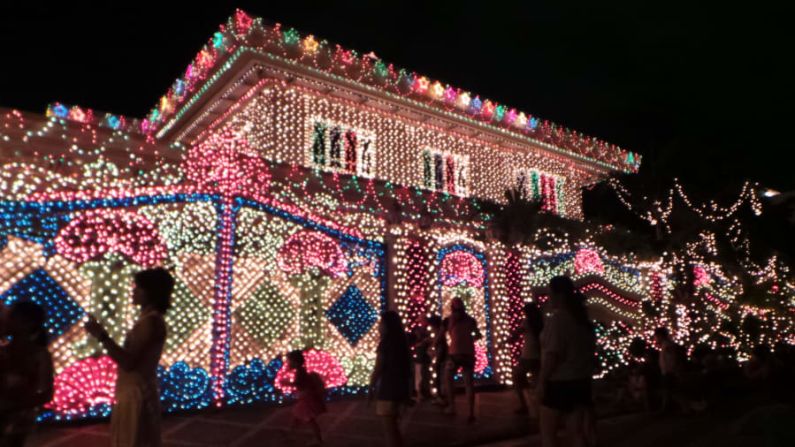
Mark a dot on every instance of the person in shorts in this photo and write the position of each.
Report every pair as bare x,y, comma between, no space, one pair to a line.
463,331
568,348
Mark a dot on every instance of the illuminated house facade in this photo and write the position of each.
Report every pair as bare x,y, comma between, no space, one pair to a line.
296,189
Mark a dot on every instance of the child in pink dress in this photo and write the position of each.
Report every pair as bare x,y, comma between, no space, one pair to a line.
311,394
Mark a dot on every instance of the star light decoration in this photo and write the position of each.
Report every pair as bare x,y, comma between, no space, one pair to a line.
282,198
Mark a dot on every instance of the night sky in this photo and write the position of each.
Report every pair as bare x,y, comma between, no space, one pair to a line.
705,93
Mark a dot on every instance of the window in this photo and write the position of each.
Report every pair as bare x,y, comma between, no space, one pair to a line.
445,172
542,187
340,148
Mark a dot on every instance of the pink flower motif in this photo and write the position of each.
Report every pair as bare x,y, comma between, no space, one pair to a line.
84,384
462,267
587,261
700,276
307,250
317,361
96,232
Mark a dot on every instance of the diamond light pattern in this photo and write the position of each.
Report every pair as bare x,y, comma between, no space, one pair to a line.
266,315
40,288
191,313
352,315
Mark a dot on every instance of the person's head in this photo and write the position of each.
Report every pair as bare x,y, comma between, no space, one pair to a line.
435,322
661,335
457,306
561,290
153,288
26,322
564,296
295,359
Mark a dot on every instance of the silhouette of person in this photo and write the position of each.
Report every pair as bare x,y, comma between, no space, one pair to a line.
135,420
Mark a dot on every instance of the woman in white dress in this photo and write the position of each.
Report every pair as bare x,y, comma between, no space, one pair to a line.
135,421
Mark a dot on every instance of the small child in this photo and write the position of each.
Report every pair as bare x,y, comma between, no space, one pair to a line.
311,393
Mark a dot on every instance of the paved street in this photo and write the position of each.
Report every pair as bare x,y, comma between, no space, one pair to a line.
769,426
353,423
348,423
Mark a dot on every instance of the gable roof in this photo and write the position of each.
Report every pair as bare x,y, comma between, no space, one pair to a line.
242,35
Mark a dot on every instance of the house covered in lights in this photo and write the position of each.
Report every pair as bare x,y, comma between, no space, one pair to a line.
296,189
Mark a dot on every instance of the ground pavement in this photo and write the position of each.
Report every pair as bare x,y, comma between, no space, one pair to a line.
348,423
351,423
768,425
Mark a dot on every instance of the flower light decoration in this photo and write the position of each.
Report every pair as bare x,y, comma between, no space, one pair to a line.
292,215
84,388
462,274
102,241
311,259
317,361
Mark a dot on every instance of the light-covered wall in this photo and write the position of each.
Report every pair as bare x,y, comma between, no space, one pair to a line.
279,124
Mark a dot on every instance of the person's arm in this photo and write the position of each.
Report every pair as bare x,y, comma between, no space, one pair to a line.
425,341
377,369
549,363
477,335
551,345
147,333
441,334
375,375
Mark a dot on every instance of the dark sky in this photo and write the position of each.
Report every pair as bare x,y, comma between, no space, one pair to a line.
705,92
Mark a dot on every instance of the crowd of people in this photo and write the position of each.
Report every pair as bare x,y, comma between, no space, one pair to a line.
664,378
552,376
